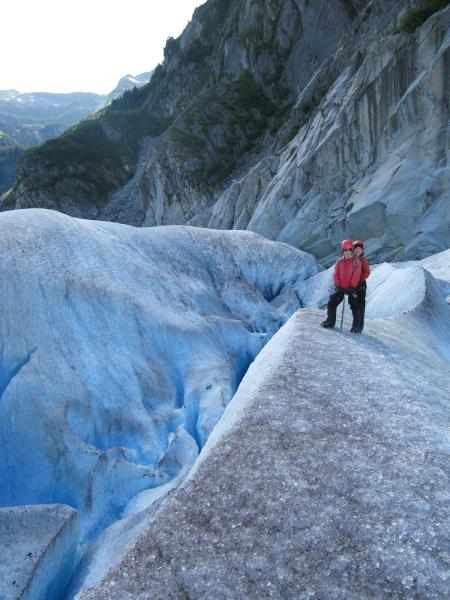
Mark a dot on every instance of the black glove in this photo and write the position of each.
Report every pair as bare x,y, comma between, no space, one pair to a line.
350,290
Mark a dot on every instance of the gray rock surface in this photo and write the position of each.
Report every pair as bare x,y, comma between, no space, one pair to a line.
327,477
371,163
38,548
159,193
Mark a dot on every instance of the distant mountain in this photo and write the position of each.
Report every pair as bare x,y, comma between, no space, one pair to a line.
28,120
33,118
128,83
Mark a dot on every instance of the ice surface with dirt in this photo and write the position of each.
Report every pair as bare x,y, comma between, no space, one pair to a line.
37,541
328,475
324,467
120,349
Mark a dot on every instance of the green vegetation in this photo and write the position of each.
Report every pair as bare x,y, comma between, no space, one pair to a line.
233,19
135,124
172,47
310,105
223,123
101,151
130,99
253,35
211,15
246,95
10,153
190,143
196,52
280,117
367,10
84,153
416,16
84,143
212,11
350,9
306,110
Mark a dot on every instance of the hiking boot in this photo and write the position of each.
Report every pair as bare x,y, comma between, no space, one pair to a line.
354,330
327,324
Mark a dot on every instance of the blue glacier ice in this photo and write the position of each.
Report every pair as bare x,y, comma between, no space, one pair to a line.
121,348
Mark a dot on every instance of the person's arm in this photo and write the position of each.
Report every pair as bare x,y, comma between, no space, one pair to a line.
356,274
365,269
337,275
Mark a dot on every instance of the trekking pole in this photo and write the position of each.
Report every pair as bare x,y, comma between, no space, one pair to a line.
342,313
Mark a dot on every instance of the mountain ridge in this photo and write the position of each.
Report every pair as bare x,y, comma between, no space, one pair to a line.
253,121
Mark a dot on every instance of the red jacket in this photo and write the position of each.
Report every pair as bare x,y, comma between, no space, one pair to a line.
365,268
347,272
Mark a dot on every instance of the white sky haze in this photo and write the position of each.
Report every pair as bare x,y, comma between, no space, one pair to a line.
84,45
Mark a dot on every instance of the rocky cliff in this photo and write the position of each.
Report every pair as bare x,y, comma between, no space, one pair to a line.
305,122
128,82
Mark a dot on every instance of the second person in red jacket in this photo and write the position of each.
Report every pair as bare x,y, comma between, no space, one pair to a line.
358,251
347,274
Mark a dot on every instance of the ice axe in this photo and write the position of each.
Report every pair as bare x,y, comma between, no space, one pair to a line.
342,313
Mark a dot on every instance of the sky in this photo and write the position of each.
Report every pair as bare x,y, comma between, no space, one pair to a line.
84,45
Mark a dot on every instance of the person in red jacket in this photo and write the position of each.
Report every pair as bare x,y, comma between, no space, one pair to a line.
358,251
347,273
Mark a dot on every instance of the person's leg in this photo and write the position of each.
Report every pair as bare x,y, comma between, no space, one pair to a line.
353,300
362,304
333,302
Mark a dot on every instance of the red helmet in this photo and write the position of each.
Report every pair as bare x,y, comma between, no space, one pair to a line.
358,243
347,245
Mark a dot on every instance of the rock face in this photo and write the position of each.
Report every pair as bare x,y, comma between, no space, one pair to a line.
317,482
372,163
38,551
256,121
128,82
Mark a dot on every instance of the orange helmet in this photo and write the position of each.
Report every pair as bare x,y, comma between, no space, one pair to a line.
347,245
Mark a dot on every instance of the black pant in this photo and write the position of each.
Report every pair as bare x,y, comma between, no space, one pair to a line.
334,301
361,290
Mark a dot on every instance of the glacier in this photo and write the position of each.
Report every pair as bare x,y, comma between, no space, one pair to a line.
328,475
38,551
121,348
